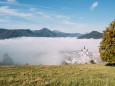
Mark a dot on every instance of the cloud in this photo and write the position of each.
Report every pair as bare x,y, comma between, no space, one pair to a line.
48,51
11,1
52,16
94,5
8,1
62,17
13,12
3,20
80,17
43,15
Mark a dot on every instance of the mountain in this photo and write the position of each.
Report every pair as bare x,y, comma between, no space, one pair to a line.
5,33
63,34
44,32
93,34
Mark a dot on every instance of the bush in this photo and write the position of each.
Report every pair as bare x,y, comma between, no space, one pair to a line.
92,62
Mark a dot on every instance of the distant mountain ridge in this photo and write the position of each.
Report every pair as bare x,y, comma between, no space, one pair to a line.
44,32
93,34
6,33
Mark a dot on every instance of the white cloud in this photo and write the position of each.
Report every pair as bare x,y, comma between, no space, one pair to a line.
3,20
13,12
11,1
32,9
80,17
52,16
67,22
94,5
43,15
62,17
30,50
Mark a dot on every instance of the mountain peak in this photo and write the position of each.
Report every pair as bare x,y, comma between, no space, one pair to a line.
93,34
45,29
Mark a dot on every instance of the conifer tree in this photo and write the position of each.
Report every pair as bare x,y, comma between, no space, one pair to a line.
107,45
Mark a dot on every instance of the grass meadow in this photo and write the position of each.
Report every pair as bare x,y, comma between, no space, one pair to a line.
61,75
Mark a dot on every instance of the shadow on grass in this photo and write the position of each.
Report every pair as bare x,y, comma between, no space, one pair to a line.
110,64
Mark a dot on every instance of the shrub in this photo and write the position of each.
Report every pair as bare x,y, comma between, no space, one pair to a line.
92,62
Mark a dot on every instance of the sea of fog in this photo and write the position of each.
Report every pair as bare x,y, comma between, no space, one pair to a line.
40,50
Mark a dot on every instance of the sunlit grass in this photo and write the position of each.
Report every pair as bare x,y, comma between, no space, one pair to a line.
64,75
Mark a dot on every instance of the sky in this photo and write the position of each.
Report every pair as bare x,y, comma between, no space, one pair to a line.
75,16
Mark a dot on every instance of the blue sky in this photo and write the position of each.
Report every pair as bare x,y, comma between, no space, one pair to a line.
64,15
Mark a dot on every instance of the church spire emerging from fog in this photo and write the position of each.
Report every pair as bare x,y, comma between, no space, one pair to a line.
84,47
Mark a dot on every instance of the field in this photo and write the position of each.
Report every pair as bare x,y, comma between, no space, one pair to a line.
63,75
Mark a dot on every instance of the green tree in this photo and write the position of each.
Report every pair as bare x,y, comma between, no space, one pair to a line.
107,45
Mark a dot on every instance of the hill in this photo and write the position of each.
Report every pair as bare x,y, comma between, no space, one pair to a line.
63,34
5,33
93,34
44,32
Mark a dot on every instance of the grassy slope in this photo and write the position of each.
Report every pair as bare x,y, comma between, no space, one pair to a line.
64,75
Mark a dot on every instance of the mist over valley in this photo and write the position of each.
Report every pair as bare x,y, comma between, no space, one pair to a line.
43,50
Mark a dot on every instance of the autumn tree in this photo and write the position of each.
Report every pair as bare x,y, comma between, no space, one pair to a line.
107,45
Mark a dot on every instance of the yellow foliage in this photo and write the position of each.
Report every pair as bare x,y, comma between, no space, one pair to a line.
107,45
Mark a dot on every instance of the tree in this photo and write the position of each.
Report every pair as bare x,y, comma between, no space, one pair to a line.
7,60
107,45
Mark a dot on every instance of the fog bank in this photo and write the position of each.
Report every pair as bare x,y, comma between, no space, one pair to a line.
48,51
